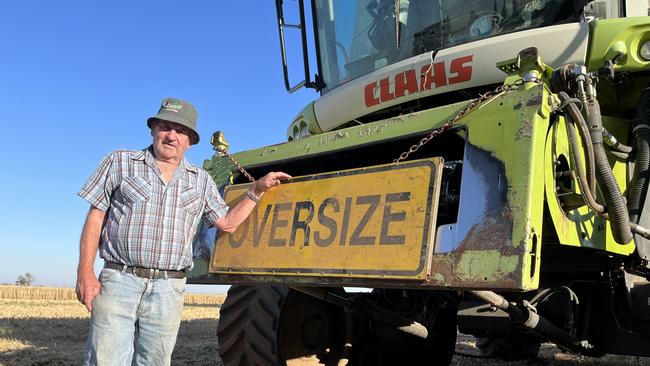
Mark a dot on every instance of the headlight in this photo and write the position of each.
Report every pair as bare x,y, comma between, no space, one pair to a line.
300,130
304,130
644,51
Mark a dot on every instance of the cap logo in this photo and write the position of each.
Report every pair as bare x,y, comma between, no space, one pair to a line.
169,106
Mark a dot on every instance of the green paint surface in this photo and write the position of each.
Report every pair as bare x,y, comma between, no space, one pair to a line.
484,265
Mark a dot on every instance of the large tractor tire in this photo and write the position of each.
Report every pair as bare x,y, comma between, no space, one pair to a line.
247,329
275,326
270,325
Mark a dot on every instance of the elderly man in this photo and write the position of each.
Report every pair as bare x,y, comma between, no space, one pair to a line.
145,209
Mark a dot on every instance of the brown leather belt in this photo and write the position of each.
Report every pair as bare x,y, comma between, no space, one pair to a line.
149,273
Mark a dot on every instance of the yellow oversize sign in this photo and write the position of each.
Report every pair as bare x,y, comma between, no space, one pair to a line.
371,222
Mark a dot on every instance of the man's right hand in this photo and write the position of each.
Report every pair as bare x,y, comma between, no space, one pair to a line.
87,283
87,288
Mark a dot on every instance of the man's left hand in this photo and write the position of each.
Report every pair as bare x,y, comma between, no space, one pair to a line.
270,180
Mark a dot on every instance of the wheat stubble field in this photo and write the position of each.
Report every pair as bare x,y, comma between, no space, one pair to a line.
46,326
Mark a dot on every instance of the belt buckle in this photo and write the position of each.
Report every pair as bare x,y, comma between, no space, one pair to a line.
142,272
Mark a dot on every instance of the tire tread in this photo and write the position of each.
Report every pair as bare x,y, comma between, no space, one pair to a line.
246,331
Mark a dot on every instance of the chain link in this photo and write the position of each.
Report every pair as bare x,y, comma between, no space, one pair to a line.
236,164
501,89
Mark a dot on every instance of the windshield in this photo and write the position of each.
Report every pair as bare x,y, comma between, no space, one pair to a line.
357,37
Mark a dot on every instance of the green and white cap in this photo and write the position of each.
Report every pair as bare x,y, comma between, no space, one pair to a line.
178,111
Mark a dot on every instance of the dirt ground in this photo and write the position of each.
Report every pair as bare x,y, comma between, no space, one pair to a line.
549,355
45,332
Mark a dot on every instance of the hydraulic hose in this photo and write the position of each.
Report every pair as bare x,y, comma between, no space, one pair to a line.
613,142
589,151
619,155
576,116
585,187
641,132
617,209
586,190
617,212
526,316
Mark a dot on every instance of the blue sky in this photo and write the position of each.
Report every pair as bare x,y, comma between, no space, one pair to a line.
79,79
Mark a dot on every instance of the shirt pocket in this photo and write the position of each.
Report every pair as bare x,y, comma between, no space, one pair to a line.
136,189
190,200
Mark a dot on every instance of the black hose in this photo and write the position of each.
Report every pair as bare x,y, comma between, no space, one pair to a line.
618,155
639,184
525,315
641,131
614,144
576,116
616,207
617,210
589,150
581,177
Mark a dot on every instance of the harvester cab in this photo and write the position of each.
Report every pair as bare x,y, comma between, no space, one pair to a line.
480,165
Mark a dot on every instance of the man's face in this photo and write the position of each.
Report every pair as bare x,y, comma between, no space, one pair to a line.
170,140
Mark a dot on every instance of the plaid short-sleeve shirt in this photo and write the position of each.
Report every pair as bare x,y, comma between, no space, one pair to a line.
149,223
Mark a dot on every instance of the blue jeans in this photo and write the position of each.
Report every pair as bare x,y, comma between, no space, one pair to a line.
134,320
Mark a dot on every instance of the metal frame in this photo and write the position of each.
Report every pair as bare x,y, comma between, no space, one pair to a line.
425,244
318,82
306,82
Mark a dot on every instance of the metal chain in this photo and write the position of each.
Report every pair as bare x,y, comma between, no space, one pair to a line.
435,132
236,164
462,113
